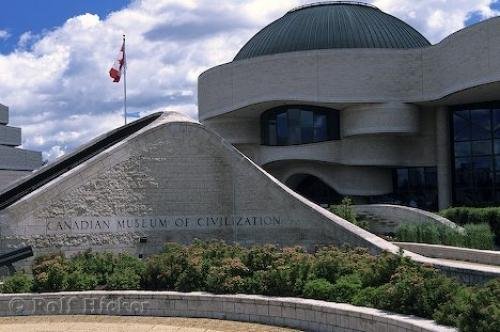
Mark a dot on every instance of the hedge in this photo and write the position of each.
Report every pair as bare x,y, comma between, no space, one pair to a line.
468,215
476,236
390,282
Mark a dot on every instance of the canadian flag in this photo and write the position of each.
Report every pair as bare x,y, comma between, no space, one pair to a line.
116,71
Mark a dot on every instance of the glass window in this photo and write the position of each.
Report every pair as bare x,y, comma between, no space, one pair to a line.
480,148
320,128
282,128
299,125
462,149
496,122
477,154
416,186
307,126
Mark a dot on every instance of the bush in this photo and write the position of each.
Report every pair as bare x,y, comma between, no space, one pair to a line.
319,289
49,273
467,215
346,288
80,281
124,279
345,211
387,281
18,283
477,236
483,312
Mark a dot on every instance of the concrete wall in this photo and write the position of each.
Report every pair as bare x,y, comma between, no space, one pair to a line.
19,159
8,177
387,118
345,180
4,114
10,136
486,257
306,315
388,218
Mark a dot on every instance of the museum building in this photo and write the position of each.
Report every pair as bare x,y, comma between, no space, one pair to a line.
341,99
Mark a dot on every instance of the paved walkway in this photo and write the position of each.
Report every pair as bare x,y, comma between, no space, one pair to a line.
127,324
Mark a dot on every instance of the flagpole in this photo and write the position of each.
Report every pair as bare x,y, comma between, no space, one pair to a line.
124,82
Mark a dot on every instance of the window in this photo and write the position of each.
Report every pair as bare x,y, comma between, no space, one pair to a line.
292,125
416,186
476,154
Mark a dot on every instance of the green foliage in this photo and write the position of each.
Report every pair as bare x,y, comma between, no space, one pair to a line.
124,279
49,273
319,289
346,211
477,236
483,312
346,288
78,280
467,215
18,283
390,282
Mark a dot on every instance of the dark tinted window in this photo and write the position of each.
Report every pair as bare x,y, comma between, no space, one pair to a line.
476,154
299,125
416,186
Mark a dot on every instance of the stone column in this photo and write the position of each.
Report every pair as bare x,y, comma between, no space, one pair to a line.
443,157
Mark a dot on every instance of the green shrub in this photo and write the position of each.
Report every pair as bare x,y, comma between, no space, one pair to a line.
319,289
346,288
80,281
367,297
162,271
124,279
468,215
483,312
477,236
18,283
449,312
388,281
415,290
50,273
346,211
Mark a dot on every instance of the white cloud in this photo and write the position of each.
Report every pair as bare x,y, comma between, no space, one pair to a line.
436,19
4,34
56,83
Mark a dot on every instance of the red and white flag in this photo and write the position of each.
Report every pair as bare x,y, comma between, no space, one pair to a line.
116,71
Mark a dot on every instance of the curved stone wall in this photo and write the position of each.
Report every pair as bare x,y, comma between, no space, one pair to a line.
307,315
391,217
386,118
464,60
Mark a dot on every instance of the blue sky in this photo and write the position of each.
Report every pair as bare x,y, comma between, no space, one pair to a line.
20,16
55,55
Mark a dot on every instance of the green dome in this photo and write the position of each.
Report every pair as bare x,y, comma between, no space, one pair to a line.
335,24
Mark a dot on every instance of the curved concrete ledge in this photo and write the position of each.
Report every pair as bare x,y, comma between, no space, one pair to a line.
446,252
387,218
308,315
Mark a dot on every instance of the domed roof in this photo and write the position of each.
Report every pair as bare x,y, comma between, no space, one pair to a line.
333,24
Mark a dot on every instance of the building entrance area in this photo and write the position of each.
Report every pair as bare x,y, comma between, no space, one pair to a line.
314,189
